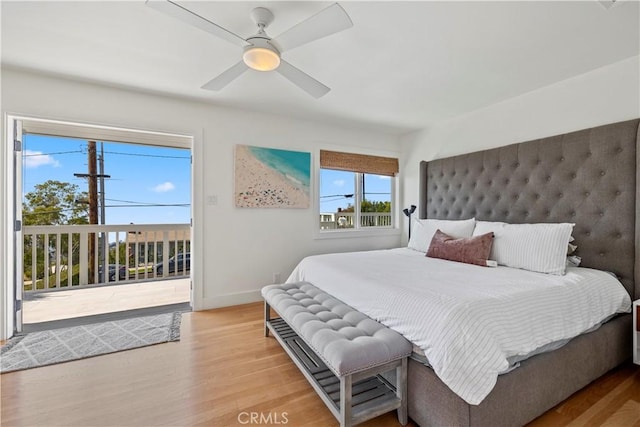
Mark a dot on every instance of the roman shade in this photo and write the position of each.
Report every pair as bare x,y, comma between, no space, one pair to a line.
360,163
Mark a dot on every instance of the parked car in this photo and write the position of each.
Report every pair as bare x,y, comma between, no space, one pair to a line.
180,262
122,273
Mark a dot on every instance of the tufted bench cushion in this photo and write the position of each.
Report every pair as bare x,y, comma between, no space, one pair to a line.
345,339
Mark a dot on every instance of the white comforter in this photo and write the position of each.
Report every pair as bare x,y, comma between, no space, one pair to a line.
467,319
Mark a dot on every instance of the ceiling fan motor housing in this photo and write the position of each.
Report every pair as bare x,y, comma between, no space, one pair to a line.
261,55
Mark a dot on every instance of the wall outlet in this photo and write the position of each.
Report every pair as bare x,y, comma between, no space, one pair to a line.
277,278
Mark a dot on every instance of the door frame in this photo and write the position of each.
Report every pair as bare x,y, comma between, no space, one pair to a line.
8,266
10,212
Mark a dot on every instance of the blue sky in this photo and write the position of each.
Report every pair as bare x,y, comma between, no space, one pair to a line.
139,173
335,185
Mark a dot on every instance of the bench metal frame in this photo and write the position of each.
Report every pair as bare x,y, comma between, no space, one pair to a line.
352,398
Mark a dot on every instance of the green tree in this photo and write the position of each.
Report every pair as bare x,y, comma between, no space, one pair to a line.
52,203
122,253
375,206
370,206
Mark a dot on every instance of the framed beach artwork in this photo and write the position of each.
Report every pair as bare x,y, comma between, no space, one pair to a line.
271,178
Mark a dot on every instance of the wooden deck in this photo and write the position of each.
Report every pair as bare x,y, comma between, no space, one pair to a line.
91,301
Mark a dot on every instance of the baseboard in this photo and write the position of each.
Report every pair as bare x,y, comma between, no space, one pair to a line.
231,299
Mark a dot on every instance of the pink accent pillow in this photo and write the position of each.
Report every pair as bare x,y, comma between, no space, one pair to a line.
473,250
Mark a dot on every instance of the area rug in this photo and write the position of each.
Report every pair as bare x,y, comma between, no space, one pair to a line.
78,342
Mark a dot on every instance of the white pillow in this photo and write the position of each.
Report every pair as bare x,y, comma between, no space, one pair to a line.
422,231
534,247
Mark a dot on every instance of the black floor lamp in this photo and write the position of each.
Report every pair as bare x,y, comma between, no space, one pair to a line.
408,212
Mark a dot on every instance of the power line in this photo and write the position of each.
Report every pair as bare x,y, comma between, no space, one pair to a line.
150,205
336,199
346,196
147,155
142,204
49,154
48,211
135,203
119,153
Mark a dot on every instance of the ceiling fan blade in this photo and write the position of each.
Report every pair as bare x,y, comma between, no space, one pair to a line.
326,22
176,11
302,80
226,77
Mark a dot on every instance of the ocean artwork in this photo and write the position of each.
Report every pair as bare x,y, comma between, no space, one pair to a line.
272,178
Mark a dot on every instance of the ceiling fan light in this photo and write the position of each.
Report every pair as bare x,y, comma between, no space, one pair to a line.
261,59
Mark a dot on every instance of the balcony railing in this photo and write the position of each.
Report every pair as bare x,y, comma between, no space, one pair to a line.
72,256
339,220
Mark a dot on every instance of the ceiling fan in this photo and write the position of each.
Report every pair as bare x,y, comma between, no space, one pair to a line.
262,52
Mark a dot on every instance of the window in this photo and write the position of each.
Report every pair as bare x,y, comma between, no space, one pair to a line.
356,191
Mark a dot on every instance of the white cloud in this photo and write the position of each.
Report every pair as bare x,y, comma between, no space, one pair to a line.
339,182
34,159
164,187
384,177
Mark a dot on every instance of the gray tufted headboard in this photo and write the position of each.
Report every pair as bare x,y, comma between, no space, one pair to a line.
589,177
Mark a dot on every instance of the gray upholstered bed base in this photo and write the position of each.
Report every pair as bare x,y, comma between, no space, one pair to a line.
591,178
520,396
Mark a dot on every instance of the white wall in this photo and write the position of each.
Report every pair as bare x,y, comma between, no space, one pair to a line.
606,95
239,249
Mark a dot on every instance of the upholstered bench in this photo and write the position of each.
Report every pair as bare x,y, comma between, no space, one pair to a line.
340,351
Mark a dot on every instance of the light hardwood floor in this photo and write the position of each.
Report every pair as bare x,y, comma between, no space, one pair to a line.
220,372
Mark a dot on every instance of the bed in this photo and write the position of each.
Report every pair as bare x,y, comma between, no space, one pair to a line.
589,178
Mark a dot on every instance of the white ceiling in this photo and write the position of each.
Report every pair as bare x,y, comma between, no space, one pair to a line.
403,65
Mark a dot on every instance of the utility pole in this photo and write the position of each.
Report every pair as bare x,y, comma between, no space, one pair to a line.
104,261
93,207
93,176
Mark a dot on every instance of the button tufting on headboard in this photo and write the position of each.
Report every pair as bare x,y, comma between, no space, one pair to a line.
586,177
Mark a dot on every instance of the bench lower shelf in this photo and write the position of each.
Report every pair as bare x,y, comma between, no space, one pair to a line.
369,396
